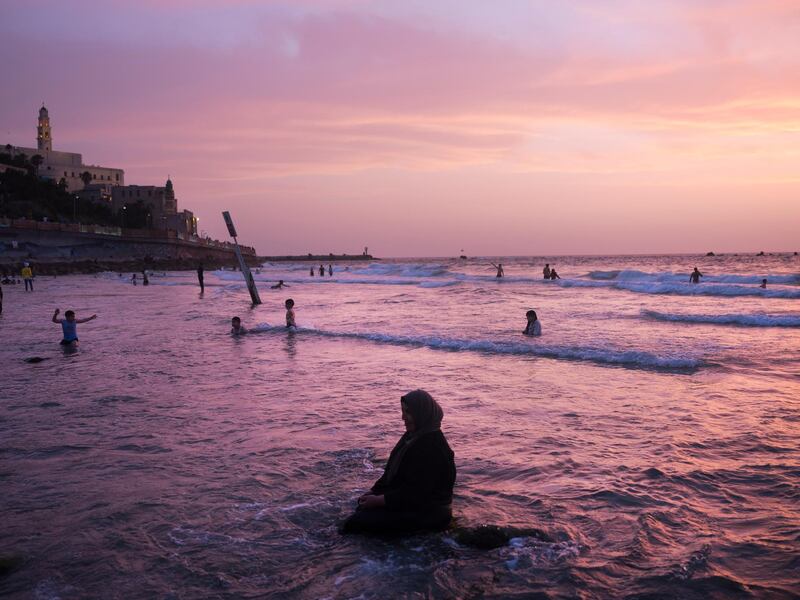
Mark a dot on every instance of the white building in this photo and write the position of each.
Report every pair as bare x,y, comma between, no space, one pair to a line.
66,165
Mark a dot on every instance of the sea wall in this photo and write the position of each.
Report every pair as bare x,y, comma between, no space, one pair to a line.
84,246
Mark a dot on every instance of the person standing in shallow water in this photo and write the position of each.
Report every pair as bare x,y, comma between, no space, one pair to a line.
695,276
546,271
200,277
500,272
416,489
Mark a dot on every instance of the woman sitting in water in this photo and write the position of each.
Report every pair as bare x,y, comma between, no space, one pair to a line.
533,327
416,488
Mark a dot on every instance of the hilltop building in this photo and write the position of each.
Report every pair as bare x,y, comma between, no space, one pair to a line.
68,166
104,184
161,203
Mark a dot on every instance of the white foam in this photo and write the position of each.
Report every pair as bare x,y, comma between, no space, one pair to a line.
632,358
755,320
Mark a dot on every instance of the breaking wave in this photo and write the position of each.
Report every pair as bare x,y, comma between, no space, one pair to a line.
604,356
730,319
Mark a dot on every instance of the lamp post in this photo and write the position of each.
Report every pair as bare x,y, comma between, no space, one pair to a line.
75,208
124,208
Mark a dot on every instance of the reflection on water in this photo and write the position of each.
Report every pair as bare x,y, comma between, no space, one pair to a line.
167,458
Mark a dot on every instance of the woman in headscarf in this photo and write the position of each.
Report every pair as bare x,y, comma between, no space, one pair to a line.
416,488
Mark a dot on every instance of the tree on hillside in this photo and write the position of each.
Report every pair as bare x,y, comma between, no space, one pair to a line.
86,178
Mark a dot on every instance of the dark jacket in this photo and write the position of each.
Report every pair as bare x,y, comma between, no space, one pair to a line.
425,477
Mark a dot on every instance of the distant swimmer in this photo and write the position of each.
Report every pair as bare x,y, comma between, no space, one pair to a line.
330,271
554,275
69,325
279,285
236,326
321,271
534,327
27,276
763,284
311,271
695,276
145,279
499,267
133,279
290,322
546,271
201,277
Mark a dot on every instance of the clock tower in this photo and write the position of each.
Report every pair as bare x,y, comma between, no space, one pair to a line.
44,138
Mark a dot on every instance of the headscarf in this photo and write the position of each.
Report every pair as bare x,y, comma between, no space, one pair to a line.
427,415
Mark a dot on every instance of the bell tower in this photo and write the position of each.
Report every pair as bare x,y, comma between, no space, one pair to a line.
44,138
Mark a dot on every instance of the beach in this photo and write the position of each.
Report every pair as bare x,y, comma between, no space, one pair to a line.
651,431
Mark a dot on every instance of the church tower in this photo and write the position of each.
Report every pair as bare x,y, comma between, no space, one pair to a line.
44,138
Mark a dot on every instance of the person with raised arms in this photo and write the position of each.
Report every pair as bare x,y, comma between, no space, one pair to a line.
500,272
69,326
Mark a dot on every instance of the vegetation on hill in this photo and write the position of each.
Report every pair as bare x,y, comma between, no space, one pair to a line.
24,195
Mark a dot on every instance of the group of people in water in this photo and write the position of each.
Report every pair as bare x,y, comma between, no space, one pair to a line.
322,271
548,272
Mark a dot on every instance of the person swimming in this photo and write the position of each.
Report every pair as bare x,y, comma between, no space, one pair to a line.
554,275
279,285
534,326
763,284
236,326
695,276
415,491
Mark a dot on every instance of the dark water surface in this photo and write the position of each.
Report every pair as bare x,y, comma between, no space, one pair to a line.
652,432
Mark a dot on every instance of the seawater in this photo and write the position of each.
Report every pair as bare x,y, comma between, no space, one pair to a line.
652,430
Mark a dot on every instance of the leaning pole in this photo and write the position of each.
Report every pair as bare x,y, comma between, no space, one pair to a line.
248,276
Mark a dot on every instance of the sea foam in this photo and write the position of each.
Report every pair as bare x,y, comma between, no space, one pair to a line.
604,356
755,320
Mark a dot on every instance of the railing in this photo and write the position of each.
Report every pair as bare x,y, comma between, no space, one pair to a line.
136,234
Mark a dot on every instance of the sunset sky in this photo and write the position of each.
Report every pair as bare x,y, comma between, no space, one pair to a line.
421,127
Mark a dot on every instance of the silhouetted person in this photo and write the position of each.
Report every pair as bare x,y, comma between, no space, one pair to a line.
546,271
200,278
236,326
311,271
534,327
763,284
321,271
290,320
145,279
416,489
554,275
278,285
695,276
330,271
499,267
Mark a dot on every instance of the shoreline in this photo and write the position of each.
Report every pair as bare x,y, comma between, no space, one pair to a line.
131,265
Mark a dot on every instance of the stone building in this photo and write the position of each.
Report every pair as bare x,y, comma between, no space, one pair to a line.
69,166
161,203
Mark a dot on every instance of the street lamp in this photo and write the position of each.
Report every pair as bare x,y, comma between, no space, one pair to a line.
75,208
124,208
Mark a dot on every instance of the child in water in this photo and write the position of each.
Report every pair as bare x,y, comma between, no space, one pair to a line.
290,314
534,327
69,325
763,284
236,326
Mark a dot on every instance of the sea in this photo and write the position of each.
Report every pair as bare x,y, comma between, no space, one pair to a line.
647,445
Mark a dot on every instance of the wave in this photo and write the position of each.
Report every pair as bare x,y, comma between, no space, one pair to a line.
706,289
729,319
668,277
604,356
402,270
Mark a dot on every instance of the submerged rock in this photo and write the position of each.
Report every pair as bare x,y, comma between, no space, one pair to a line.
9,563
34,359
486,537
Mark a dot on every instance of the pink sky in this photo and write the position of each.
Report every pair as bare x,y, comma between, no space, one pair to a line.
420,128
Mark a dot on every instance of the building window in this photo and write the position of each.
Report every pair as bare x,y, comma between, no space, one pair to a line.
117,176
94,175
